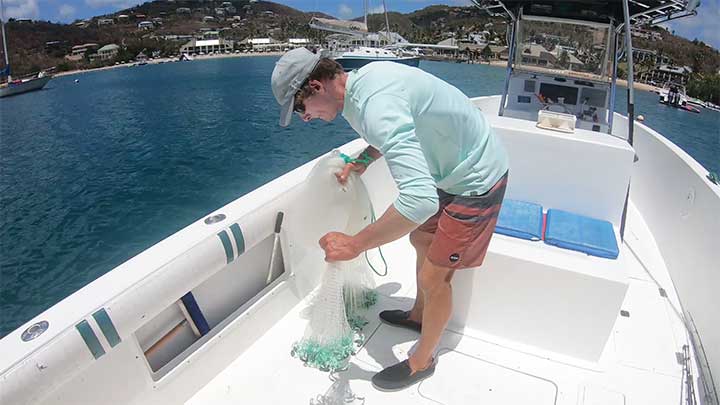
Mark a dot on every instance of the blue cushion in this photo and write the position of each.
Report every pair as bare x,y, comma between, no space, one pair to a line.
520,219
576,232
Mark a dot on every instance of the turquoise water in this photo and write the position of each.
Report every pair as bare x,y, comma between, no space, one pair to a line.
93,173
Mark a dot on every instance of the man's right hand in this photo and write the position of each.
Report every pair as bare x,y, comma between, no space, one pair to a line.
358,168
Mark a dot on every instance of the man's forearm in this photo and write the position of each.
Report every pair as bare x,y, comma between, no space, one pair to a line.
390,226
373,152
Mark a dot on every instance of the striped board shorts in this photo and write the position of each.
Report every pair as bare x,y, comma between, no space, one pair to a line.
463,226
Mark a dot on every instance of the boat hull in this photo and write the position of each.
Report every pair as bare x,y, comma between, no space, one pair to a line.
24,87
350,63
106,332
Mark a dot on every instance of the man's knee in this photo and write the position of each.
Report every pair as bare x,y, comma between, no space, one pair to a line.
420,239
432,277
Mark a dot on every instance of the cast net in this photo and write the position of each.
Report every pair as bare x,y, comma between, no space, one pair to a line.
339,306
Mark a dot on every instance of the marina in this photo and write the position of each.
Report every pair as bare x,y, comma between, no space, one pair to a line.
142,208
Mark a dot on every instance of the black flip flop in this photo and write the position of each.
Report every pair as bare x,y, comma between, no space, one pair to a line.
398,317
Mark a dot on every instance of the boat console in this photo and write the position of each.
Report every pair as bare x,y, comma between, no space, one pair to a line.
562,68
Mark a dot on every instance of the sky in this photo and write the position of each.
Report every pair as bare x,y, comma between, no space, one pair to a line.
702,26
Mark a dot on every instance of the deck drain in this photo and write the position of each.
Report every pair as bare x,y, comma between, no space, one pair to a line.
625,313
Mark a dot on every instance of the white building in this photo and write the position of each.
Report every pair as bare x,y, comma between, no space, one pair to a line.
206,46
78,52
266,44
108,52
298,42
145,25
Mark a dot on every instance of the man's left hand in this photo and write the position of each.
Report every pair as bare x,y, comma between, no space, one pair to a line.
339,246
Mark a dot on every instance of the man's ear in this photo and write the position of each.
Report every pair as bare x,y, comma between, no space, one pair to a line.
316,85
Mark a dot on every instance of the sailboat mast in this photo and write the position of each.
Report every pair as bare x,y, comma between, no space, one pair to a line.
365,7
387,23
365,11
5,51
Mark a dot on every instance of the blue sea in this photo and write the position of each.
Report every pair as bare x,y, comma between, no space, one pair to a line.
94,172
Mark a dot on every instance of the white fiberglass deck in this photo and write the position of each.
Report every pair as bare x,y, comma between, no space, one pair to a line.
638,364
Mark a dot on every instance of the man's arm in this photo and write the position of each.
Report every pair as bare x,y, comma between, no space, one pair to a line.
391,226
359,167
417,199
373,153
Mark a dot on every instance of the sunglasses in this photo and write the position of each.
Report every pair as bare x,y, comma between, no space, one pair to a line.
299,103
299,107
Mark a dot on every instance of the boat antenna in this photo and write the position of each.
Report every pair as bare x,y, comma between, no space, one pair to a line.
5,51
630,103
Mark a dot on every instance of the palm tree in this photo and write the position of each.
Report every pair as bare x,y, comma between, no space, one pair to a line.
487,53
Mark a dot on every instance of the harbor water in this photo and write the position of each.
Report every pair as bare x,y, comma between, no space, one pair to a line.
94,172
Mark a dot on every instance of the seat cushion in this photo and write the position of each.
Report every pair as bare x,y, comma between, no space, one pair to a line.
520,219
583,234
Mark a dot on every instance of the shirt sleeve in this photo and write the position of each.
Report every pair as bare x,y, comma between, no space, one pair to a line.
388,121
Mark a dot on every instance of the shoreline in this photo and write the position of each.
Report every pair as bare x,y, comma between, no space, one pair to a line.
166,60
620,82
496,63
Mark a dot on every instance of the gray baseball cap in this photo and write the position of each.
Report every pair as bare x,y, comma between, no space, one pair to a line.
289,74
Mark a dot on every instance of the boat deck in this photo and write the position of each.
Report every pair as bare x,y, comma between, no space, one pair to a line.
638,364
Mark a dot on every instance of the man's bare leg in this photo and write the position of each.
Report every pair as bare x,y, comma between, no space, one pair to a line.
435,284
421,242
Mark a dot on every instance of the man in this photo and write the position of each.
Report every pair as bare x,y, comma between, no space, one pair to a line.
449,168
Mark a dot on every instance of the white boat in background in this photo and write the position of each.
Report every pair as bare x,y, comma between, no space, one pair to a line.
25,85
192,320
362,55
711,106
18,86
356,56
674,95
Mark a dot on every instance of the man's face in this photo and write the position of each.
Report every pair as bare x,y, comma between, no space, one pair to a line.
321,104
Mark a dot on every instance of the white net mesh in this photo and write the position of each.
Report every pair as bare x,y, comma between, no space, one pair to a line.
328,340
337,311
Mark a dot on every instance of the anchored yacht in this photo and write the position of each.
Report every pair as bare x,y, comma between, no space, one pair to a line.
352,48
18,86
600,286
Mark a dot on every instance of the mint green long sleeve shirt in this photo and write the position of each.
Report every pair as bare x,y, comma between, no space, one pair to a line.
429,132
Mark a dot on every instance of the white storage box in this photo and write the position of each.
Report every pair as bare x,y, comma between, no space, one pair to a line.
556,121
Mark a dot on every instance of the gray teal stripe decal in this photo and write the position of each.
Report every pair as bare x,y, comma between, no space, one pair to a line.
90,339
239,239
106,326
225,239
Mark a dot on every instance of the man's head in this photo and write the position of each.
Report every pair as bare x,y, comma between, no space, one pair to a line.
313,87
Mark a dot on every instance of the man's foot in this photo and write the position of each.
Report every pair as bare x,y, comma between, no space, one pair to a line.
400,376
397,317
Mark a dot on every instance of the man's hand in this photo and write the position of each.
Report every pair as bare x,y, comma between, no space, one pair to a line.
339,247
358,168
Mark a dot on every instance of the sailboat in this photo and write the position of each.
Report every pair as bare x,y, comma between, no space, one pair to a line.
17,86
193,319
360,55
